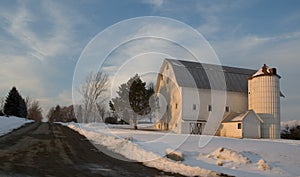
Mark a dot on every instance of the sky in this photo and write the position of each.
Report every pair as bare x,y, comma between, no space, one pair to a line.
42,41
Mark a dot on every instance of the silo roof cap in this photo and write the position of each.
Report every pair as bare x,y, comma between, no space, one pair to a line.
265,71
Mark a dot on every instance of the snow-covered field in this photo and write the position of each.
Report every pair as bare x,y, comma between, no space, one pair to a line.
7,124
238,157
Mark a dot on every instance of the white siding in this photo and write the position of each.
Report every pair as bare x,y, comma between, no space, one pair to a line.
230,129
251,126
170,113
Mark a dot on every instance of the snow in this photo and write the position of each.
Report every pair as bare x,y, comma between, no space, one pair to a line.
259,72
262,165
237,157
228,155
8,124
290,124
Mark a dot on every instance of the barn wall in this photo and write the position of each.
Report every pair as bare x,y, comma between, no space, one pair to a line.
230,129
267,128
169,114
237,102
201,98
251,126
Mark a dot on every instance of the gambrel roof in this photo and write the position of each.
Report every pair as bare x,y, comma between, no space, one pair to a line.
209,76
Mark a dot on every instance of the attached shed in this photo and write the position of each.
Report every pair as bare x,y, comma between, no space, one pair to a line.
242,125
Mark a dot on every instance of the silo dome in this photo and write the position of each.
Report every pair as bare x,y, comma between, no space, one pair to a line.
264,99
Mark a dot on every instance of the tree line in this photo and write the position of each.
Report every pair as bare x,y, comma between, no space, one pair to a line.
16,105
132,102
292,132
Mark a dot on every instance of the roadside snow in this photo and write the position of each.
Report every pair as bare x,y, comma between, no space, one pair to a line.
8,124
134,152
237,157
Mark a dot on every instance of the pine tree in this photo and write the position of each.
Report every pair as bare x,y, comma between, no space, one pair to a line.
132,100
15,104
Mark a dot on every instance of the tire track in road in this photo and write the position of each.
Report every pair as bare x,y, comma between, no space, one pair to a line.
47,149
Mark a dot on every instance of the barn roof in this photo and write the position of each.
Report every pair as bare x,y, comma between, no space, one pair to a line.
239,117
209,76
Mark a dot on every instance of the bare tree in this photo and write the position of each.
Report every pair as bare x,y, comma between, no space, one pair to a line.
34,110
93,95
2,102
62,114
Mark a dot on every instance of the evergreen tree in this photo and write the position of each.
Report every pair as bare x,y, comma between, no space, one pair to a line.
22,108
132,100
138,96
15,104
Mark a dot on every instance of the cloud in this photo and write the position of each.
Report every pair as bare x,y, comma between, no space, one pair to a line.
155,3
20,72
251,48
22,20
281,51
64,98
37,42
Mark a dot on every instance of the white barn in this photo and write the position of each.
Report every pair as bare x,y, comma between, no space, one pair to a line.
186,88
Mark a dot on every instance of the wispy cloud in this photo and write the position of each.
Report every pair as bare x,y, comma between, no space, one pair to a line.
280,51
155,3
20,26
36,40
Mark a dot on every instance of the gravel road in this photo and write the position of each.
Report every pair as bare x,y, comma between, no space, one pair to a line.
47,149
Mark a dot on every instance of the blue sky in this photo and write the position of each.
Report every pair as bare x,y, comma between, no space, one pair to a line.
41,41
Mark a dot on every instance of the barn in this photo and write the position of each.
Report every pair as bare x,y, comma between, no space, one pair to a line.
187,103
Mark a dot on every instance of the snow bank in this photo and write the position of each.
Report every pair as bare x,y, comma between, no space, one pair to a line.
134,152
8,124
280,155
229,155
263,165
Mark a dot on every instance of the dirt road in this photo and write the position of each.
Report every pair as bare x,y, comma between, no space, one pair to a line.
45,149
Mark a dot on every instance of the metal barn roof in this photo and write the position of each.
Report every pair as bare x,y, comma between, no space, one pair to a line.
209,76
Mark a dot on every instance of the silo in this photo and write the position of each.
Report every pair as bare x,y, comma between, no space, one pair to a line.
264,99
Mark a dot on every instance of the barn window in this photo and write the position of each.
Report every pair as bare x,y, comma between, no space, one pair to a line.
176,105
239,126
209,108
227,108
194,106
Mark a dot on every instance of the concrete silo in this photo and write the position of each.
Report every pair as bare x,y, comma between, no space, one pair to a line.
264,99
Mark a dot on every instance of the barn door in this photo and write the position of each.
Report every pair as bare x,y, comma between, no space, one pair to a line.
196,128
